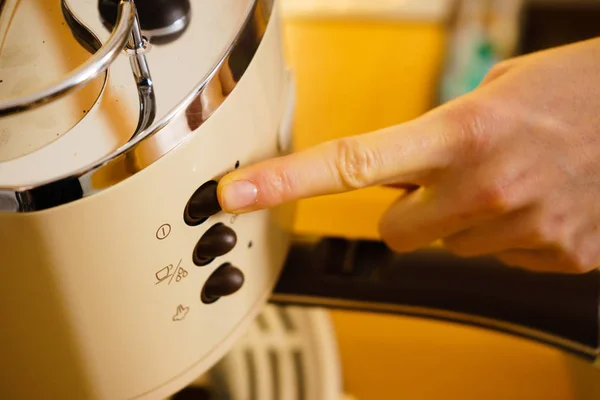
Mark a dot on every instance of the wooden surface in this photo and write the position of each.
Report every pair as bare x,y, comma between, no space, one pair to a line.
354,77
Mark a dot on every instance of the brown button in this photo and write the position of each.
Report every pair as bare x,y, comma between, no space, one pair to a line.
218,240
225,281
203,204
163,21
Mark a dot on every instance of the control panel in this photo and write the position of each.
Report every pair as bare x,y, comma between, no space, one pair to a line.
217,241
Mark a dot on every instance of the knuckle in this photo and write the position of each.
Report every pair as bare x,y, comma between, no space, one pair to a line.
495,197
540,233
543,233
502,188
279,185
582,259
469,124
579,262
355,164
498,70
549,230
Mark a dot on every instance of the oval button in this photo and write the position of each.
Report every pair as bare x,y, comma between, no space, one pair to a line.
202,205
218,240
225,281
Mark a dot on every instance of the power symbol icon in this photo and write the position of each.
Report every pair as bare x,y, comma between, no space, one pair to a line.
163,231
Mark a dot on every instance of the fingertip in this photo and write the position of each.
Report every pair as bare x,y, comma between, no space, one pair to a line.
237,194
391,237
397,227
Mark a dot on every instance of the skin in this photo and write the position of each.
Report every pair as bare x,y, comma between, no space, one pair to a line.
511,169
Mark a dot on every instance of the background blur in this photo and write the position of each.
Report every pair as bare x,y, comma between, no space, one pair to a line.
361,65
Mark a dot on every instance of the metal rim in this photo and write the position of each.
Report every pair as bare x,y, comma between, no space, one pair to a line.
85,73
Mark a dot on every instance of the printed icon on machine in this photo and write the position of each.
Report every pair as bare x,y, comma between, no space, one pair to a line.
171,272
233,218
163,231
180,312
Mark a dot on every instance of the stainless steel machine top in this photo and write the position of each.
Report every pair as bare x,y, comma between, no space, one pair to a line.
71,103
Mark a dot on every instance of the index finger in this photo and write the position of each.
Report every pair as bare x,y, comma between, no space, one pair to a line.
405,154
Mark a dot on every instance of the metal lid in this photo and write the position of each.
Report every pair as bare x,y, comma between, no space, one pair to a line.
85,82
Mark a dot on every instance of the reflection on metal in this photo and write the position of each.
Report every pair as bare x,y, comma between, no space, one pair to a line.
137,46
39,49
149,143
211,98
585,352
175,27
91,69
7,13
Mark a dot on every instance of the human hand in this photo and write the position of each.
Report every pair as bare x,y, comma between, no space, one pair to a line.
510,170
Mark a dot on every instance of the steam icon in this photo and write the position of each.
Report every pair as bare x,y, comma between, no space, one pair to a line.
180,313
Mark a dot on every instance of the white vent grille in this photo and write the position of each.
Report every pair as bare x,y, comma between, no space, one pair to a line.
289,353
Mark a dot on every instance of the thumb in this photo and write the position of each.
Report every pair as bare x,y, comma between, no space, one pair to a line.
406,154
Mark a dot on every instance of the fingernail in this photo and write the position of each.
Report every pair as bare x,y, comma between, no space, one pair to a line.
238,195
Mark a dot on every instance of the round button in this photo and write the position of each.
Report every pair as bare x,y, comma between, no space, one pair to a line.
225,281
161,21
203,204
218,240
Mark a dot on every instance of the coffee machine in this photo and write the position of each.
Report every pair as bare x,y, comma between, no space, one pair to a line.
123,278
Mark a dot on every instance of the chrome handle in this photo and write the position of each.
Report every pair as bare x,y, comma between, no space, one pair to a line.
85,73
137,45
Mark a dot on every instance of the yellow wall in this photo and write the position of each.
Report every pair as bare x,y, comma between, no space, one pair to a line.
354,77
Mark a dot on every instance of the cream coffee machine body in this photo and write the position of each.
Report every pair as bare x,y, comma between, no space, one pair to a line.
126,281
